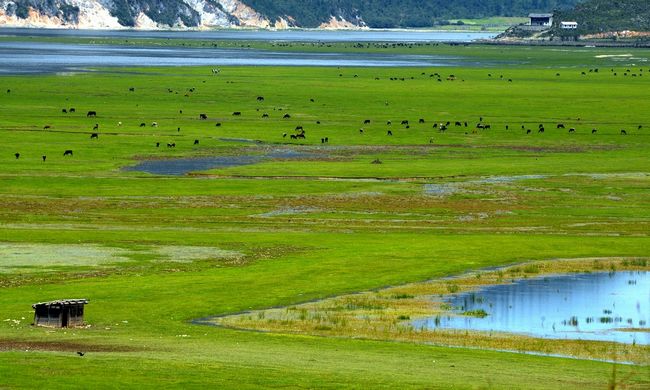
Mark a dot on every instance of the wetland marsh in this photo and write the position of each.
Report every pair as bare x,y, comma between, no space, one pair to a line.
315,267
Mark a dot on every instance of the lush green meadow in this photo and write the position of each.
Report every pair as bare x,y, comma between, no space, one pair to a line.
153,253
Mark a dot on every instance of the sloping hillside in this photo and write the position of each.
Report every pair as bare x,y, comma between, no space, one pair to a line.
259,13
400,13
599,16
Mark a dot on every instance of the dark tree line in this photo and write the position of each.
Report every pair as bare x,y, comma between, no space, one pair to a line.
399,13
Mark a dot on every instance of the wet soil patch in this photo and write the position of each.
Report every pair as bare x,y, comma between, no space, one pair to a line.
183,166
60,346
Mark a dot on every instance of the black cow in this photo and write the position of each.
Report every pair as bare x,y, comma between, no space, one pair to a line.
572,130
47,127
96,127
265,115
298,128
405,122
196,142
260,98
203,116
171,145
143,124
286,116
366,122
528,131
312,100
157,144
67,153
458,124
560,125
389,132
44,157
236,113
389,123
72,109
623,132
17,155
640,127
541,130
284,135
94,135
91,114
593,131
421,120
218,124
132,89
64,111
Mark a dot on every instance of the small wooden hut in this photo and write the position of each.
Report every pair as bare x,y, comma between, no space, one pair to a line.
64,313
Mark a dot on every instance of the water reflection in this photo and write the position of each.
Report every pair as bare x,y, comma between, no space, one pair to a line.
182,166
294,35
49,57
595,306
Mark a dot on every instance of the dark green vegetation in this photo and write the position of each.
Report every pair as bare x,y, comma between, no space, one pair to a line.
598,16
301,13
153,253
404,13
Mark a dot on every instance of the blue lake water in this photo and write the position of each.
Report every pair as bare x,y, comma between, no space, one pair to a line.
25,57
50,57
594,306
293,35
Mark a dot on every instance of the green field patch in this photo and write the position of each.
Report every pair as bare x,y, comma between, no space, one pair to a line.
43,258
48,257
186,254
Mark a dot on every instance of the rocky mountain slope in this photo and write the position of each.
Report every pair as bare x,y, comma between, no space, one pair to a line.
143,14
153,14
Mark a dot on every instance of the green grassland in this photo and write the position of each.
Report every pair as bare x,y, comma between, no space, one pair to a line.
153,253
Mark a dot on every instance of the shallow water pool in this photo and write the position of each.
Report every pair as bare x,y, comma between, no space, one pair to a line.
603,306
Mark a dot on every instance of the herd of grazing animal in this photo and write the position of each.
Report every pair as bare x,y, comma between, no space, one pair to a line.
300,133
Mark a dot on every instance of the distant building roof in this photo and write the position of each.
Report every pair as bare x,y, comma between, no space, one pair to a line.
540,15
62,302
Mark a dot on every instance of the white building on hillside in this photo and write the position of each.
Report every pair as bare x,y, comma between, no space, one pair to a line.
569,25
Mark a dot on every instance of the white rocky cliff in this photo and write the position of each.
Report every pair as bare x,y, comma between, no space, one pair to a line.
103,14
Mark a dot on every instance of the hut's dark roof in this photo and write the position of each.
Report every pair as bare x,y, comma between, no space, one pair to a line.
62,302
540,15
